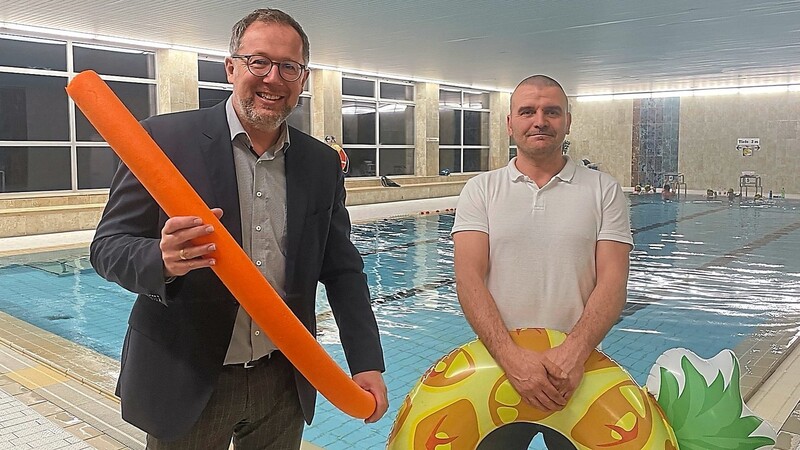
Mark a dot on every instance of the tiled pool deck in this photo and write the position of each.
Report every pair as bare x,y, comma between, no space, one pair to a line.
55,394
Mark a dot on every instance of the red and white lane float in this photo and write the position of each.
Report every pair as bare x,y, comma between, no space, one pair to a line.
690,403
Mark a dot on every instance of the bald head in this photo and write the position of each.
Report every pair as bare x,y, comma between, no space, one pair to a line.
541,81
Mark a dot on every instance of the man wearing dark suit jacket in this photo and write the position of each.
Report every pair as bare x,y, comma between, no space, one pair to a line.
196,371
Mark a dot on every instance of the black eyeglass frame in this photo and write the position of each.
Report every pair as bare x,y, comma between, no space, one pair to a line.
247,63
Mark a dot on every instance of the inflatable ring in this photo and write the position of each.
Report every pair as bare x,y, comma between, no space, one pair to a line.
465,396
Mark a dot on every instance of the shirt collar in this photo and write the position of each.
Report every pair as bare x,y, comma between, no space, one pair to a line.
513,172
568,171
566,174
236,128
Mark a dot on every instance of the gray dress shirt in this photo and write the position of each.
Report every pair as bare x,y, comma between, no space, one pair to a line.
262,201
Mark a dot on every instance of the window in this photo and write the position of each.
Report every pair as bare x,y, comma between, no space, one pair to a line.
96,166
301,116
463,130
212,71
138,98
358,122
352,87
33,108
214,88
213,84
378,126
30,53
108,61
210,97
30,169
41,149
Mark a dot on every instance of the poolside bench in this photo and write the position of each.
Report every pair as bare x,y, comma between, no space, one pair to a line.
410,191
24,217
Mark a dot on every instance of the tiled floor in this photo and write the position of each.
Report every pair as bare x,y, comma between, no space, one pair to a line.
42,408
789,437
57,395
23,427
777,402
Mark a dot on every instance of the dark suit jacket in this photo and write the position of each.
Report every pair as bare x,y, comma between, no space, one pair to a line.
179,333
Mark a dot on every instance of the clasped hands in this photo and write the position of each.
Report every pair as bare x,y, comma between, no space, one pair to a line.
545,380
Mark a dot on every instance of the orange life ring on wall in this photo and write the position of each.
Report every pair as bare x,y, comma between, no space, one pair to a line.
343,158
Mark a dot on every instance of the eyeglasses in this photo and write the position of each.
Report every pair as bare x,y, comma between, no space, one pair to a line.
260,66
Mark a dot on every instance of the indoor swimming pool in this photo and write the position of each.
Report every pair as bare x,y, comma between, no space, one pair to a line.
705,275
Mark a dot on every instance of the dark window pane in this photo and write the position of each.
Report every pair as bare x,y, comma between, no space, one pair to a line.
476,128
108,62
33,55
136,97
96,167
450,98
358,123
396,124
449,126
301,116
213,71
397,161
362,162
361,88
476,160
450,159
478,101
397,91
210,97
512,152
33,108
24,169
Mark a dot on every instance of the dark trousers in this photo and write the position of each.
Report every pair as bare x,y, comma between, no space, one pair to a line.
518,436
258,407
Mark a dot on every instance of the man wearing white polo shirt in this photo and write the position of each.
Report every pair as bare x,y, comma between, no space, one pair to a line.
542,242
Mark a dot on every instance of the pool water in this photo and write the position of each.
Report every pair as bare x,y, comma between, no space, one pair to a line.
704,275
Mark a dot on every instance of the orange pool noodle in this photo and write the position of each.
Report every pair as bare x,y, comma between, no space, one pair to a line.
177,198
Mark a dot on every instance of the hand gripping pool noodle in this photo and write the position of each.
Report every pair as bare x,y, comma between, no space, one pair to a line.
174,194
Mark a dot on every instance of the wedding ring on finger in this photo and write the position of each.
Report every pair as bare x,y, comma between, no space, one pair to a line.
182,254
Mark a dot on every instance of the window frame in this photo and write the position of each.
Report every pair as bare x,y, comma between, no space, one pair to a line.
67,75
461,146
377,102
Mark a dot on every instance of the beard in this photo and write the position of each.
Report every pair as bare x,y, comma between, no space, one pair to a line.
263,120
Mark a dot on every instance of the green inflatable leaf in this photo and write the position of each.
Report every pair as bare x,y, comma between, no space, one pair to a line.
708,417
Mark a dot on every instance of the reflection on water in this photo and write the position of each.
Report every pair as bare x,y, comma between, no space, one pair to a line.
708,276
704,275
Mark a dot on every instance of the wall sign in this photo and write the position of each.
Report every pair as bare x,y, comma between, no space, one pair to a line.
748,145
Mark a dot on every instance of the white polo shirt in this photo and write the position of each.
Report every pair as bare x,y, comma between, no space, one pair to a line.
542,240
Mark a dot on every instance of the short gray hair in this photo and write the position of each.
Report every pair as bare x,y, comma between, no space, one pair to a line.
267,15
543,80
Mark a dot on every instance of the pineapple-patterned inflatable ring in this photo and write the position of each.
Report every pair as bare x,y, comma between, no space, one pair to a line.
465,396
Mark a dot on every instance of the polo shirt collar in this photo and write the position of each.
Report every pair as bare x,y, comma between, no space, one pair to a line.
568,171
566,174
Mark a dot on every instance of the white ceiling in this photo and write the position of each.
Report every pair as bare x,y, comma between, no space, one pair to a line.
591,46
